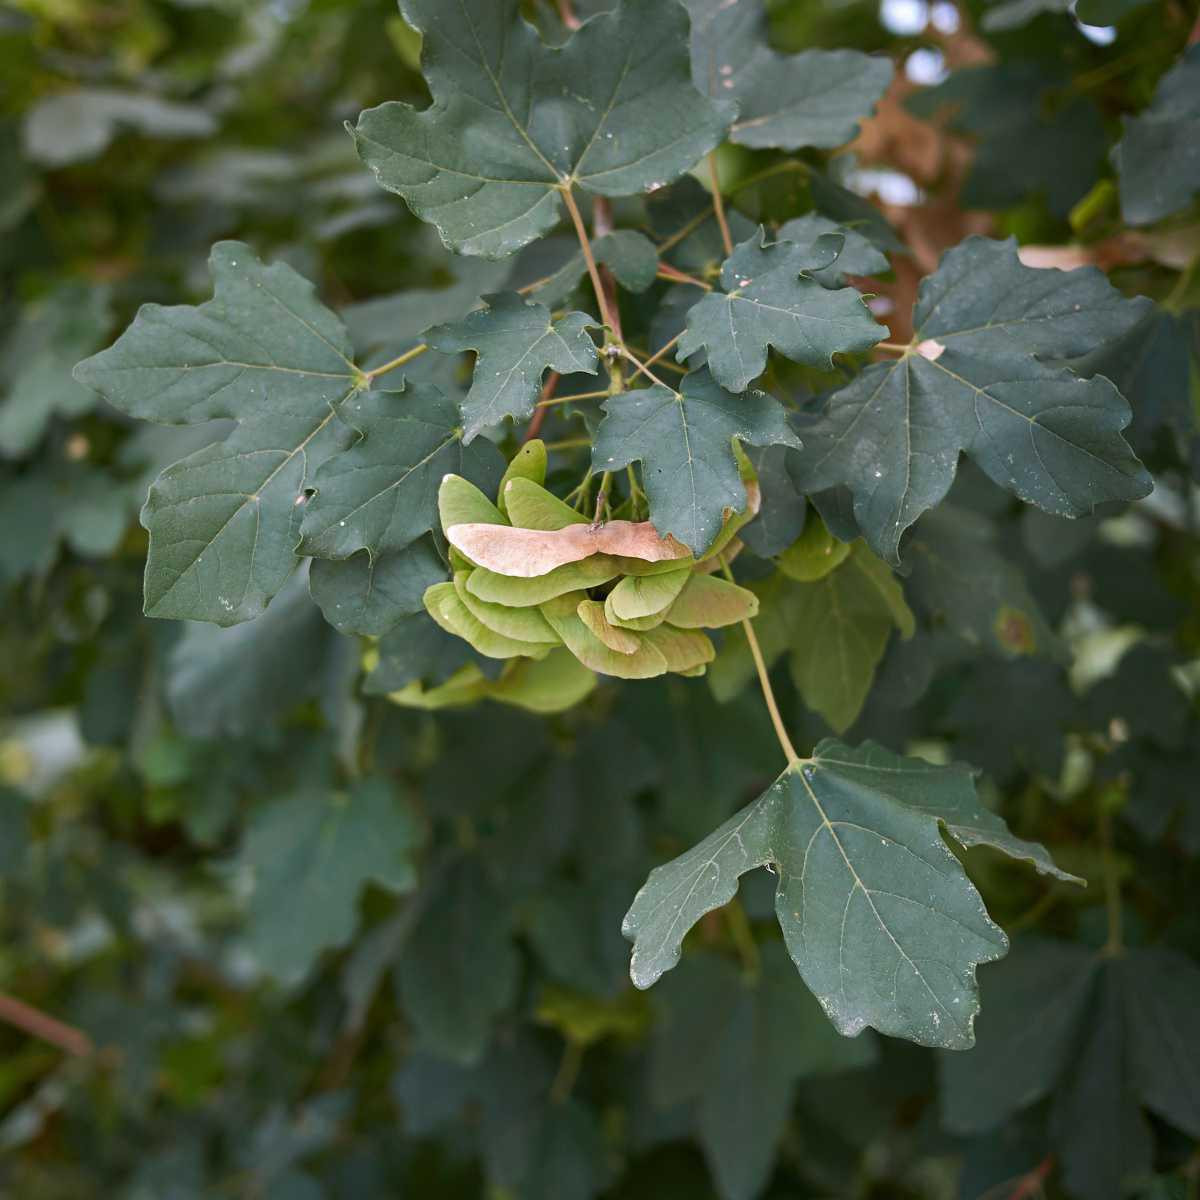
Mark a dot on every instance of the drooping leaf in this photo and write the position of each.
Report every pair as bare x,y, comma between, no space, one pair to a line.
877,914
977,379
816,98
516,343
310,856
224,522
684,441
770,300
1159,155
514,121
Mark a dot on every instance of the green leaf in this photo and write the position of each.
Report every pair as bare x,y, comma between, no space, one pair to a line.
786,101
224,522
370,596
841,625
230,681
77,125
684,441
877,913
737,1046
1158,157
1103,1037
382,493
36,361
514,121
859,255
814,554
459,969
631,256
961,579
834,629
310,856
769,301
1032,136
517,343
976,379
783,512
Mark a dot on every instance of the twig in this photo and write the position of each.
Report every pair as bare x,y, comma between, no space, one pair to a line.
1030,1185
666,271
662,350
40,1025
602,498
539,409
406,357
550,401
892,347
588,257
568,1071
764,682
719,204
645,370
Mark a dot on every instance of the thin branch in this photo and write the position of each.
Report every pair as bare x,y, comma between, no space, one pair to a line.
646,371
568,1071
406,357
662,350
550,401
602,498
892,347
719,204
569,444
685,231
40,1025
588,257
539,410
1030,1185
666,271
764,681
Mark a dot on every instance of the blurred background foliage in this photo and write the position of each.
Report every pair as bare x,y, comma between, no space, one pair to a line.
189,819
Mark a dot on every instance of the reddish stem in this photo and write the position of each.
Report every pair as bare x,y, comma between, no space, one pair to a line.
1030,1185
666,271
39,1025
539,413
567,14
